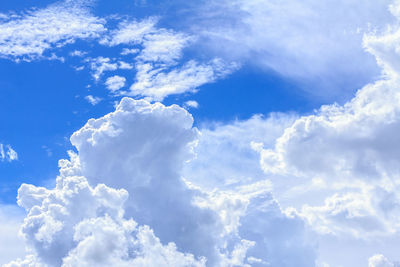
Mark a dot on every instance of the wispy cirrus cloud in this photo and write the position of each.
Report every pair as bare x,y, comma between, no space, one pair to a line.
317,44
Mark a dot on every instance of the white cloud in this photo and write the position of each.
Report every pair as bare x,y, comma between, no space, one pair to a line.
158,52
163,46
346,157
7,153
77,53
147,164
129,51
191,104
158,61
56,25
76,224
11,243
125,66
157,83
224,154
337,168
115,83
314,42
379,260
100,65
156,218
93,100
131,32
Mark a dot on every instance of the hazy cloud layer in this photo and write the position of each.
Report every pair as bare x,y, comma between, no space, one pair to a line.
316,43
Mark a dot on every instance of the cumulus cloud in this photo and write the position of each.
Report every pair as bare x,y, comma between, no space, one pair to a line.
347,148
31,34
76,224
347,156
7,153
121,200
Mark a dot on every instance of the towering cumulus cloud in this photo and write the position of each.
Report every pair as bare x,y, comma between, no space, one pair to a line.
121,201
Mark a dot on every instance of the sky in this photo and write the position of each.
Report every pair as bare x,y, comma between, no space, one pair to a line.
199,133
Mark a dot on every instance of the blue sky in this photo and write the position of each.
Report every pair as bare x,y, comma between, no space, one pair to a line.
281,149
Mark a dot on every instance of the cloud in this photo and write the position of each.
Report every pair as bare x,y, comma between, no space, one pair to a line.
32,33
379,260
11,243
318,45
147,164
121,201
158,66
124,65
129,51
163,46
146,188
157,83
225,157
76,224
352,219
191,104
160,71
115,83
346,156
130,32
77,53
93,100
100,65
7,153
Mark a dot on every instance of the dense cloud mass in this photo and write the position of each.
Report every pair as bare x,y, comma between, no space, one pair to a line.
350,153
153,217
